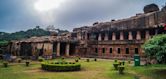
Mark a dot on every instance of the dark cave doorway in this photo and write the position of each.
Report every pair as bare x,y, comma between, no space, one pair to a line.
62,49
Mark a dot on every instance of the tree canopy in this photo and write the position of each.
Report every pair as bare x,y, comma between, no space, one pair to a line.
3,43
156,48
37,31
23,34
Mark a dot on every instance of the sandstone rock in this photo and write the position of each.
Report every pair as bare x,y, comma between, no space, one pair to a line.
164,9
151,8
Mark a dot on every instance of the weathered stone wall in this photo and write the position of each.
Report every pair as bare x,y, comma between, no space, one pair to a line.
15,48
144,21
48,49
149,20
141,20
92,51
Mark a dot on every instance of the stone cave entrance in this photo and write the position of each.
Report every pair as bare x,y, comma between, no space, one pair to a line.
26,49
72,49
62,49
54,48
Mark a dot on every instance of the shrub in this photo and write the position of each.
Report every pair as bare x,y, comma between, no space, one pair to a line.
121,69
76,60
120,63
27,63
87,60
116,65
155,48
123,62
129,61
115,60
68,66
19,60
62,58
78,57
95,59
5,64
41,59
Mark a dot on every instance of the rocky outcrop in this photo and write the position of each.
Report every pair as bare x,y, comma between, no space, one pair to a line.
151,8
163,9
150,19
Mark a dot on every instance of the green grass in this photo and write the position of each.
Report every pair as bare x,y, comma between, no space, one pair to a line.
102,69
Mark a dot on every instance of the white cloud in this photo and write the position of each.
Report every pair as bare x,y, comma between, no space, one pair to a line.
69,13
47,5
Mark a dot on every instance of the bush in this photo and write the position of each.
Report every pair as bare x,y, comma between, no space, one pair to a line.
19,60
41,59
120,63
155,48
129,61
123,62
27,63
121,69
5,64
59,67
115,60
76,60
116,65
3,43
95,59
78,57
87,60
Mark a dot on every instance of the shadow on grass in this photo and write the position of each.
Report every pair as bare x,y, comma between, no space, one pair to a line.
159,74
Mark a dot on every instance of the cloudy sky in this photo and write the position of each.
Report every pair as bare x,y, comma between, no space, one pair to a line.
16,15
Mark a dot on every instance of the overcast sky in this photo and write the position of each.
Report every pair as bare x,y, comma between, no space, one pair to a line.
16,15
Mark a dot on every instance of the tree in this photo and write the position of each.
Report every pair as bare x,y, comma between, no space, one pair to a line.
50,28
156,48
3,43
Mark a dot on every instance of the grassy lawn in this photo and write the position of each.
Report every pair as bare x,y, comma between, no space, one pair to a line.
102,69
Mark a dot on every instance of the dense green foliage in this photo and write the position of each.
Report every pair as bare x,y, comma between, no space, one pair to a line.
3,43
37,31
121,69
24,34
5,64
27,63
155,48
41,59
60,66
87,60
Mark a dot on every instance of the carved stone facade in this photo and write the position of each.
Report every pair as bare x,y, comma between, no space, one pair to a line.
120,38
115,39
44,46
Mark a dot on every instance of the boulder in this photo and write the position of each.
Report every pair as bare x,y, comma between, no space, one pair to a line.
151,8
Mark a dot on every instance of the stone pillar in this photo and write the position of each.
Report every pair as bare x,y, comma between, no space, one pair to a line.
99,38
156,31
58,49
121,36
138,36
106,37
79,36
113,36
67,49
147,35
130,37
86,36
